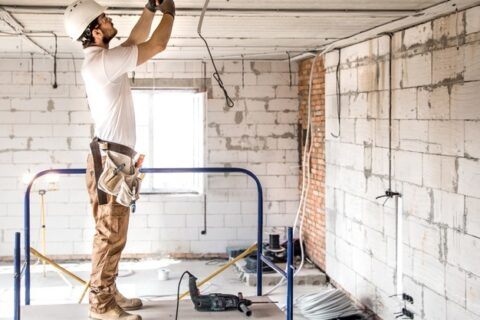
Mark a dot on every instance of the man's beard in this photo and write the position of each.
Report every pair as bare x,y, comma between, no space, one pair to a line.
107,38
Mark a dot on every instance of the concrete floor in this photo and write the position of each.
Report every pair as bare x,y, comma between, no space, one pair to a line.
136,278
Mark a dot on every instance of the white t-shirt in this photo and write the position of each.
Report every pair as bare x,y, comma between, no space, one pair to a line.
104,72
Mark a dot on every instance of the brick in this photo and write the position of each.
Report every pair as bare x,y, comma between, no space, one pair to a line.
38,157
455,281
448,26
356,106
414,135
14,91
283,130
423,237
348,80
472,138
435,305
257,92
448,64
227,156
81,117
404,104
417,201
72,130
432,171
408,167
433,104
384,276
418,35
15,65
463,251
49,144
56,117
473,25
469,177
472,210
416,71
464,99
446,137
286,92
364,131
278,169
283,105
454,311
449,174
429,271
369,78
449,209
473,294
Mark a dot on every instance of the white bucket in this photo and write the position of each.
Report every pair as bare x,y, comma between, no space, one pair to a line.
163,274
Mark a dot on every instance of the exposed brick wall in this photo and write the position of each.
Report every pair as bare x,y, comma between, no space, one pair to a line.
436,154
314,225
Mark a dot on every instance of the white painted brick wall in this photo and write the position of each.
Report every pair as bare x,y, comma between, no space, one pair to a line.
42,128
436,167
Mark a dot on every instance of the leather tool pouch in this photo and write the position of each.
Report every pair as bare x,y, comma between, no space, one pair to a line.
119,177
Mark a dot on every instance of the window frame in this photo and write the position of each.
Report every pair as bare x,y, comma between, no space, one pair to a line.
194,86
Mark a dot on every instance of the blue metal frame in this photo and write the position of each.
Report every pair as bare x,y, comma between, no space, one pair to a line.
260,257
17,277
26,226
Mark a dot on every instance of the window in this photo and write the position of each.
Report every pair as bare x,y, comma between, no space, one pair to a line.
170,130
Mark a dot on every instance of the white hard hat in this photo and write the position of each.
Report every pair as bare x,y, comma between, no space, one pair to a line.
79,15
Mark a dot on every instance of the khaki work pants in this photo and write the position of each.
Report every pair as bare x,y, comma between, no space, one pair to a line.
111,226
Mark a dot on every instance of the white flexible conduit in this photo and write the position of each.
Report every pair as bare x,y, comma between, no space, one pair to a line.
399,242
200,22
305,173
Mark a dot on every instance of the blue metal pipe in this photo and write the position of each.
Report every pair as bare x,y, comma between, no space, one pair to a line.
290,268
26,217
16,277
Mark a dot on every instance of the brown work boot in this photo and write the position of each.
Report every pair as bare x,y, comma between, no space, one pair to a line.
127,304
116,313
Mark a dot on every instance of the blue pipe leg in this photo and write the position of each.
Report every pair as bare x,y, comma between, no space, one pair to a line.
290,268
16,277
260,241
26,235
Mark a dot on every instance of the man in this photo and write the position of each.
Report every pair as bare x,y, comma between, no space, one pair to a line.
109,96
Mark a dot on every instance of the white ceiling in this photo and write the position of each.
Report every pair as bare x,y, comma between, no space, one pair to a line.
254,28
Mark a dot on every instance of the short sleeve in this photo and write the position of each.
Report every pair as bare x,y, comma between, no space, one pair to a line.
119,60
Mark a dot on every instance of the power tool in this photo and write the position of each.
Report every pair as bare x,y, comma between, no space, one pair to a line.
217,301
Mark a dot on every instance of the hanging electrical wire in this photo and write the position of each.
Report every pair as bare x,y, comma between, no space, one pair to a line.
216,75
339,96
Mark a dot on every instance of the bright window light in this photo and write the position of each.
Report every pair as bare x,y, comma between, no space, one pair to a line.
170,131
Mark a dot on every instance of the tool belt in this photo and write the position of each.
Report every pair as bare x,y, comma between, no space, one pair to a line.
119,176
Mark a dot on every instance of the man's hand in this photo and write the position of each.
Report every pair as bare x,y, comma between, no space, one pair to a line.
167,7
152,5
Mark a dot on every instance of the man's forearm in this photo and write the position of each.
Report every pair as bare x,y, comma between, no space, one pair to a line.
141,30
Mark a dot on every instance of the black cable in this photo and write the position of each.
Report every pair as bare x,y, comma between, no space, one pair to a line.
243,71
31,73
178,292
290,68
339,97
55,85
216,75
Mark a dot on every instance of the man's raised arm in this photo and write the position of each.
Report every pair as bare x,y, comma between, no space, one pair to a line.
159,40
141,30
